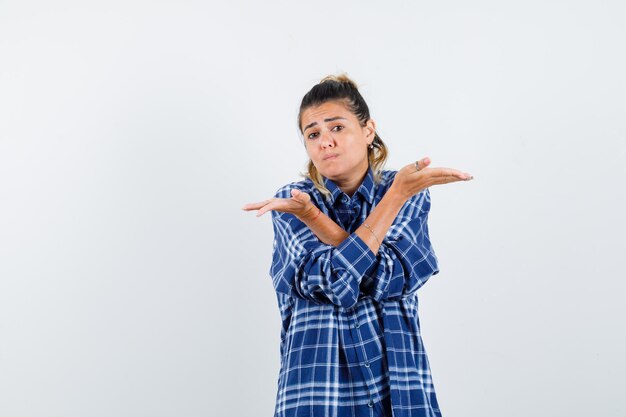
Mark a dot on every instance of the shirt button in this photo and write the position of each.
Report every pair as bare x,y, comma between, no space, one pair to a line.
370,404
367,364
344,199
357,325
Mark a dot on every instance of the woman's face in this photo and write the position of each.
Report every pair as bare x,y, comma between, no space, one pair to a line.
336,142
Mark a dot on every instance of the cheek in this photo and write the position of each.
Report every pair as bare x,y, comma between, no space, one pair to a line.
358,150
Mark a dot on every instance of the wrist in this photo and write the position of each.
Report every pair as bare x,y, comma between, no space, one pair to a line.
310,213
396,195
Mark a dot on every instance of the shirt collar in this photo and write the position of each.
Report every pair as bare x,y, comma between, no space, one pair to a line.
366,189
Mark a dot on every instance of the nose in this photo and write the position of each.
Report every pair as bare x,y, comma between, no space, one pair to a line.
326,139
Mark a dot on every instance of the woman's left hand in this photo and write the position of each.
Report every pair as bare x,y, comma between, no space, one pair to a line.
299,205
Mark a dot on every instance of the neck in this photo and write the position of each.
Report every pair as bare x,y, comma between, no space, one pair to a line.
350,185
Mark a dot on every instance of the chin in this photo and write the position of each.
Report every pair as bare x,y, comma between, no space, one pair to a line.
331,174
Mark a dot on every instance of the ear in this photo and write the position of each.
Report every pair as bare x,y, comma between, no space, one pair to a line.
370,130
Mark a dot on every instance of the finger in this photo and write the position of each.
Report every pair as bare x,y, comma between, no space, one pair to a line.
255,206
278,204
424,162
264,209
463,176
300,196
418,165
448,175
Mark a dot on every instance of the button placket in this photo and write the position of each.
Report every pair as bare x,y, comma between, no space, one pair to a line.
363,360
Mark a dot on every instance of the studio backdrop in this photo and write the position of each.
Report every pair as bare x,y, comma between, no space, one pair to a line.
132,133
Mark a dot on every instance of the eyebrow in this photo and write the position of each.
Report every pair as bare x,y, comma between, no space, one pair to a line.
325,120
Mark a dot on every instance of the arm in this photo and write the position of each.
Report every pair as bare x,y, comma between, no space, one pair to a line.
408,183
406,259
317,271
332,268
379,220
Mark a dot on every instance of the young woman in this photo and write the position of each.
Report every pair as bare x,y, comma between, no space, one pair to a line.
351,248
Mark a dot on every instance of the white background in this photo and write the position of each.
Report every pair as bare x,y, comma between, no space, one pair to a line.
132,132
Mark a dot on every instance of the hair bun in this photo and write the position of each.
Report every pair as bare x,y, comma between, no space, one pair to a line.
341,78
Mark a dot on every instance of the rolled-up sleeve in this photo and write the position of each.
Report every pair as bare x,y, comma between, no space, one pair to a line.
406,258
304,266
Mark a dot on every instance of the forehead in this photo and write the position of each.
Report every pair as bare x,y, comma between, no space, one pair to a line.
326,110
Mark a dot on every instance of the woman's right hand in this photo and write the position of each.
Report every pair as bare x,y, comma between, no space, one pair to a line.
299,205
409,181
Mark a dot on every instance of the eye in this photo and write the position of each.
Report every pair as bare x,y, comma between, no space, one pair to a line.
312,135
338,128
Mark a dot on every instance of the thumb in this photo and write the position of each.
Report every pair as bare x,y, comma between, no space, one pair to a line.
424,162
299,195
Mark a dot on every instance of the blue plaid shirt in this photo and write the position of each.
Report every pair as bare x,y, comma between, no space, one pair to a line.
350,336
